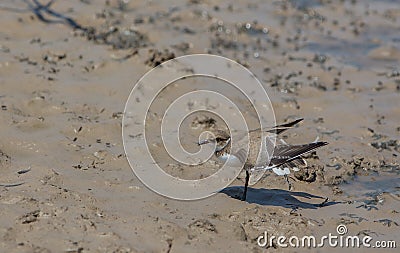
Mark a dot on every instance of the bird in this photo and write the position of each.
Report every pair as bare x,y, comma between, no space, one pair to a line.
285,157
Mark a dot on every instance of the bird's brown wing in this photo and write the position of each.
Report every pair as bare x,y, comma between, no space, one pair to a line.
287,153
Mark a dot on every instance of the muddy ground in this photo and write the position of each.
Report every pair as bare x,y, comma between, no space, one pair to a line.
66,70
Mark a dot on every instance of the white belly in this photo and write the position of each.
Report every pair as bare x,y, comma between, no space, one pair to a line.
281,171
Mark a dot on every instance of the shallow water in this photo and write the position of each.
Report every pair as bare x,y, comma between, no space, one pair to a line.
363,188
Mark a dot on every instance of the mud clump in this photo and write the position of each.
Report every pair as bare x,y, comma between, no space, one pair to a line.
388,145
5,159
204,122
157,57
30,217
203,225
307,175
117,37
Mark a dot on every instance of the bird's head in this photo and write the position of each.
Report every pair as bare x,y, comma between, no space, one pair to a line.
220,138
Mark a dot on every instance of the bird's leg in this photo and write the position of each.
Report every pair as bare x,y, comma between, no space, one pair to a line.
287,180
246,183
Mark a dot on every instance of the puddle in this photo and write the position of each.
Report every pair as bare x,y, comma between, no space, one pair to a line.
304,4
375,50
373,44
370,189
352,53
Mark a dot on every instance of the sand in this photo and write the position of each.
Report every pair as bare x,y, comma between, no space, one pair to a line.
66,185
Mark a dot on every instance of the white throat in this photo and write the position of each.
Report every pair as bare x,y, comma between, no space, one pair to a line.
230,160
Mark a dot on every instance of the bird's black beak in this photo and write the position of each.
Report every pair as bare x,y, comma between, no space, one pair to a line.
202,142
